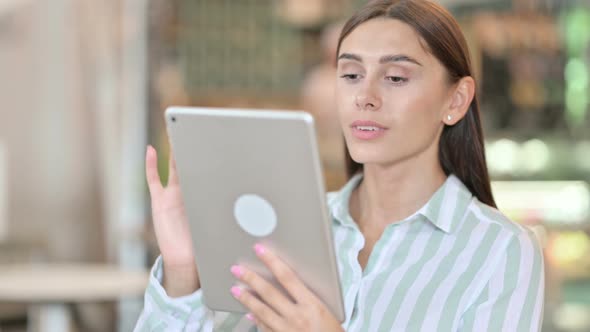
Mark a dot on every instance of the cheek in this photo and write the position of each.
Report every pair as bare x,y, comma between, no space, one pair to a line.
415,117
342,90
417,113
344,100
420,126
418,106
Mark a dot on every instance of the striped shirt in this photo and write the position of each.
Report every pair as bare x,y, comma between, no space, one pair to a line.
455,265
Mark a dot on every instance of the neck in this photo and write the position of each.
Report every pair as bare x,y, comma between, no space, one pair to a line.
390,194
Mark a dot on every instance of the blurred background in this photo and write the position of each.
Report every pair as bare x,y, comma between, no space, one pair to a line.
83,88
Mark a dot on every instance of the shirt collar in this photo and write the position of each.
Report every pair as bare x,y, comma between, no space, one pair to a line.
448,205
445,209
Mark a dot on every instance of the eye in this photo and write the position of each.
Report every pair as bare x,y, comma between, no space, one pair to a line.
351,77
396,79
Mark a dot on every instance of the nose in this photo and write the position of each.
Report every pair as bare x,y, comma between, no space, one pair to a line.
367,99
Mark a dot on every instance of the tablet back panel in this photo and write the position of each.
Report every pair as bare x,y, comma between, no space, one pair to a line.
226,156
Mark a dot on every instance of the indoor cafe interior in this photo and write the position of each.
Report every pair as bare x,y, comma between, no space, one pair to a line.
83,89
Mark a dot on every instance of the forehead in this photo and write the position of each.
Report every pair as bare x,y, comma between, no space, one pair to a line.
381,36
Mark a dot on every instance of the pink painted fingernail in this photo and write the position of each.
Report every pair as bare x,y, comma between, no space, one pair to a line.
237,271
236,291
260,250
250,317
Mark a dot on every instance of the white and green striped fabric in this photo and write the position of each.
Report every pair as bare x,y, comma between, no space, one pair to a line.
455,265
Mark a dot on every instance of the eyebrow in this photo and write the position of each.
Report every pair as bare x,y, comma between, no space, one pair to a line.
383,60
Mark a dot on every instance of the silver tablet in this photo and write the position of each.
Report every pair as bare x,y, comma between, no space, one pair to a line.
250,176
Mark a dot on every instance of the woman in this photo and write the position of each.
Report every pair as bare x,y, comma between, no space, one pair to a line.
420,245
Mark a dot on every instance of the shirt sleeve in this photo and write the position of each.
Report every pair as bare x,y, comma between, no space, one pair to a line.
514,296
187,313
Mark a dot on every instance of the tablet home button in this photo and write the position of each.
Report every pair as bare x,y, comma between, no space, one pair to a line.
255,215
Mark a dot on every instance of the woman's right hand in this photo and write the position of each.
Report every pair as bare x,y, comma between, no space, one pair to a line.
171,228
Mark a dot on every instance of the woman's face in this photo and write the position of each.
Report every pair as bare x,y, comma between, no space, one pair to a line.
391,93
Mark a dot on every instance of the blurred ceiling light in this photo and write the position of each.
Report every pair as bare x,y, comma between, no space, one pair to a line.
534,156
502,156
572,317
570,247
554,203
577,198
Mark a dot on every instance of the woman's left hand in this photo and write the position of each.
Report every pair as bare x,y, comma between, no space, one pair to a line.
273,311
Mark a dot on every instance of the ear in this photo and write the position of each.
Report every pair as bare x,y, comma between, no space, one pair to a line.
460,100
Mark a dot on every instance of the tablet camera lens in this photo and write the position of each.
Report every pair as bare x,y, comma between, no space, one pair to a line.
173,119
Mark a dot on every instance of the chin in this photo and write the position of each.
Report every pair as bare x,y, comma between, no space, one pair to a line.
367,157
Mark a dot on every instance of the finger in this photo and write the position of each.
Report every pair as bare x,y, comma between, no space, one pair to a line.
261,326
172,173
263,313
264,328
151,170
265,290
285,275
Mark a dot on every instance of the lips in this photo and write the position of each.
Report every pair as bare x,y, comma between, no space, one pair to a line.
367,130
367,124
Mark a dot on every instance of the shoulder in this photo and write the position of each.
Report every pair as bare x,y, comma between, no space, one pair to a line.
516,238
484,213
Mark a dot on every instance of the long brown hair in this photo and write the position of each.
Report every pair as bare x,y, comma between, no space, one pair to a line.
461,147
